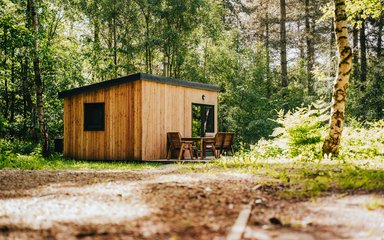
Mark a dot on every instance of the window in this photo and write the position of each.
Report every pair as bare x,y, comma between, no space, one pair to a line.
94,116
203,119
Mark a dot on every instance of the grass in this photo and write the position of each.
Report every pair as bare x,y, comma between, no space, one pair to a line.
298,179
374,204
311,179
57,162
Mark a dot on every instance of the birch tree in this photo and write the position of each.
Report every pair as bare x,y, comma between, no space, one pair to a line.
332,142
38,81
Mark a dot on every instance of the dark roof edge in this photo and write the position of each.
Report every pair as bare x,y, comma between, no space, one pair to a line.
179,82
138,76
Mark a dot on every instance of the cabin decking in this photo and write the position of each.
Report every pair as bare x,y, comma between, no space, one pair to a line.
165,161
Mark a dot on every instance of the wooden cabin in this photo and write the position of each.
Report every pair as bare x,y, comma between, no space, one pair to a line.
128,118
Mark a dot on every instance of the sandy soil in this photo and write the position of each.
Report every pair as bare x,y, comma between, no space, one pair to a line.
167,204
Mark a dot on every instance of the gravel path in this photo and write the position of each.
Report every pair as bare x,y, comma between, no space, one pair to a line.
168,204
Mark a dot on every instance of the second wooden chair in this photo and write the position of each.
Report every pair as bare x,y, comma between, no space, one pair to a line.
175,143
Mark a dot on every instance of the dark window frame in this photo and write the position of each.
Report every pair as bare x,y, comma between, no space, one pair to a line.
213,115
91,110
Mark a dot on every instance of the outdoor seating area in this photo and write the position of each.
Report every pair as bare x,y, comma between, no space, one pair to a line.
217,143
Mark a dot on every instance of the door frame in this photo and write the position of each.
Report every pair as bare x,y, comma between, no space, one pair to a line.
213,115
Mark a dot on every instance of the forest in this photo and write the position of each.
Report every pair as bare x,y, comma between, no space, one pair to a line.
301,91
267,57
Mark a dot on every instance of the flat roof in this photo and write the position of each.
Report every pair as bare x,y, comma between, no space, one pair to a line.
134,77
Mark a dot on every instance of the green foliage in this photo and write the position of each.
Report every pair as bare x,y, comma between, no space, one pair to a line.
23,155
17,146
363,9
87,41
245,106
10,160
288,158
357,10
368,105
363,141
301,134
298,179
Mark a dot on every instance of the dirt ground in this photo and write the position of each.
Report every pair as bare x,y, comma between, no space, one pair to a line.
169,204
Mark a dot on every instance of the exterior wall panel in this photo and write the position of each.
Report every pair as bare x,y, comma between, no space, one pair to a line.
116,142
168,108
138,115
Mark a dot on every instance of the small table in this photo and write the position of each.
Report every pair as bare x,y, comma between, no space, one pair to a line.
203,143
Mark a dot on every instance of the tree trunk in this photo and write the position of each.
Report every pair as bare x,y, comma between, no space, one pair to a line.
355,34
27,95
114,39
39,82
380,35
147,52
12,92
114,48
301,44
363,53
96,38
283,45
332,142
6,95
310,50
332,51
268,57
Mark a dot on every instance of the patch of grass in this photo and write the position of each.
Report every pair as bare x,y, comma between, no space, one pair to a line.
374,204
57,162
293,159
308,179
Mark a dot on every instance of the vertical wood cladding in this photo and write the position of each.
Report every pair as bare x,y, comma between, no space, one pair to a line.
138,115
168,108
116,142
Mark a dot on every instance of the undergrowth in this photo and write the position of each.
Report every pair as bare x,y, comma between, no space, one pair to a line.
10,160
22,155
292,157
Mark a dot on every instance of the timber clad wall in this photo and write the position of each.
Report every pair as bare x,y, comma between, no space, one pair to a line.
138,114
116,141
168,108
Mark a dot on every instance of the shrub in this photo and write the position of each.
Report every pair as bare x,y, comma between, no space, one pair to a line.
299,136
17,146
363,141
302,132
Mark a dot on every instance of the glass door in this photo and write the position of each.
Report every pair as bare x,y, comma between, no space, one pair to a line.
203,119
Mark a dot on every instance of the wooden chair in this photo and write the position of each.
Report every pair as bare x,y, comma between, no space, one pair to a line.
222,143
175,143
209,140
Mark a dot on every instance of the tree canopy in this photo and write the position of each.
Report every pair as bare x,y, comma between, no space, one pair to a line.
236,45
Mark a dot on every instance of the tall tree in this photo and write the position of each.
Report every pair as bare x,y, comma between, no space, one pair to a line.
146,9
310,48
283,44
268,54
355,38
5,48
38,81
332,49
114,34
332,142
363,57
380,35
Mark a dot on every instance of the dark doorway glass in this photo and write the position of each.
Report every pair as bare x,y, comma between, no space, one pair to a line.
94,116
203,119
